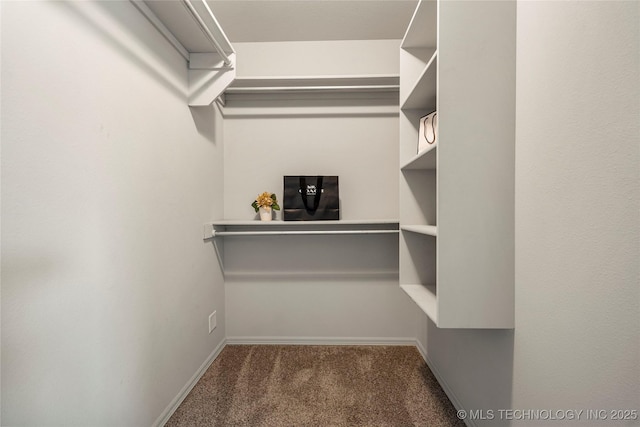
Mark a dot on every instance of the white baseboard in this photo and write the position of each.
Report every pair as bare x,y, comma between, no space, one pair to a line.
320,341
436,373
166,414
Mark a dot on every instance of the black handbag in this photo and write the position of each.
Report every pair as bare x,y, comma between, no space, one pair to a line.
311,198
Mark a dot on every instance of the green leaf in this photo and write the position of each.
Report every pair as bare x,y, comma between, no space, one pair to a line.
274,206
255,205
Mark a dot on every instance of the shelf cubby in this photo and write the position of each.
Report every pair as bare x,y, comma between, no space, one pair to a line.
422,30
422,94
425,159
425,297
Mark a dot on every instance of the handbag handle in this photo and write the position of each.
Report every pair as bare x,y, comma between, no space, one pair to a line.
316,199
430,128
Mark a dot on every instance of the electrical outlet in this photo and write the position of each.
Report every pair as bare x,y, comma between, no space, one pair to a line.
212,322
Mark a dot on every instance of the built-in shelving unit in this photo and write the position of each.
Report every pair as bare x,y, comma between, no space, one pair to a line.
457,197
418,97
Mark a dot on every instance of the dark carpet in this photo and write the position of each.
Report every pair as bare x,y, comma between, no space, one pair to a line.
291,385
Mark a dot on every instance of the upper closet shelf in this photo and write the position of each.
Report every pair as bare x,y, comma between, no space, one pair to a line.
295,84
193,30
422,31
423,93
265,228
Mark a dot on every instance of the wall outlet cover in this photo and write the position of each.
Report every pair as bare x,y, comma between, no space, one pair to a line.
212,322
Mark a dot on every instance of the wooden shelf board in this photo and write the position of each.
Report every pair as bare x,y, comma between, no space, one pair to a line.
425,297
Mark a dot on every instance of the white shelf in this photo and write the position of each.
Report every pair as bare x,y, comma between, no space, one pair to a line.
425,297
422,30
329,274
426,159
423,93
275,223
224,228
298,232
288,84
429,230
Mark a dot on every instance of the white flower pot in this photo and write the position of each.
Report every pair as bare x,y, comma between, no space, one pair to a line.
265,214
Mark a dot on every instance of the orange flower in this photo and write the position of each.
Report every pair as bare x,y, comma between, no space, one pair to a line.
266,200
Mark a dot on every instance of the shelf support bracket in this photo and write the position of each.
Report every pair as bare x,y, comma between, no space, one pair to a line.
218,244
207,84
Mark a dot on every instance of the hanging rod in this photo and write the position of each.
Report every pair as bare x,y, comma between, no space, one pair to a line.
298,232
206,31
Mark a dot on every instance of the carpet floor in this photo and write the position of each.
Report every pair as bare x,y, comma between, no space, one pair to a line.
292,385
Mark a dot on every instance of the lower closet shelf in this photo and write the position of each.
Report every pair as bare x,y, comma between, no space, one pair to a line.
224,228
425,297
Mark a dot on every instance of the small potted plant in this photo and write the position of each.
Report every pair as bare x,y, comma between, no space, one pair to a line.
265,203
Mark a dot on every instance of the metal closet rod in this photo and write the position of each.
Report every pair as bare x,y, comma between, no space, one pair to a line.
206,31
298,232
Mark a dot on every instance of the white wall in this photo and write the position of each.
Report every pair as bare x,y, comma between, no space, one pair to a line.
575,345
353,136
343,57
265,146
319,287
107,178
578,204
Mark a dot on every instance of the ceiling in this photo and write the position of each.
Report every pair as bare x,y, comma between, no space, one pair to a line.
311,20
290,20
